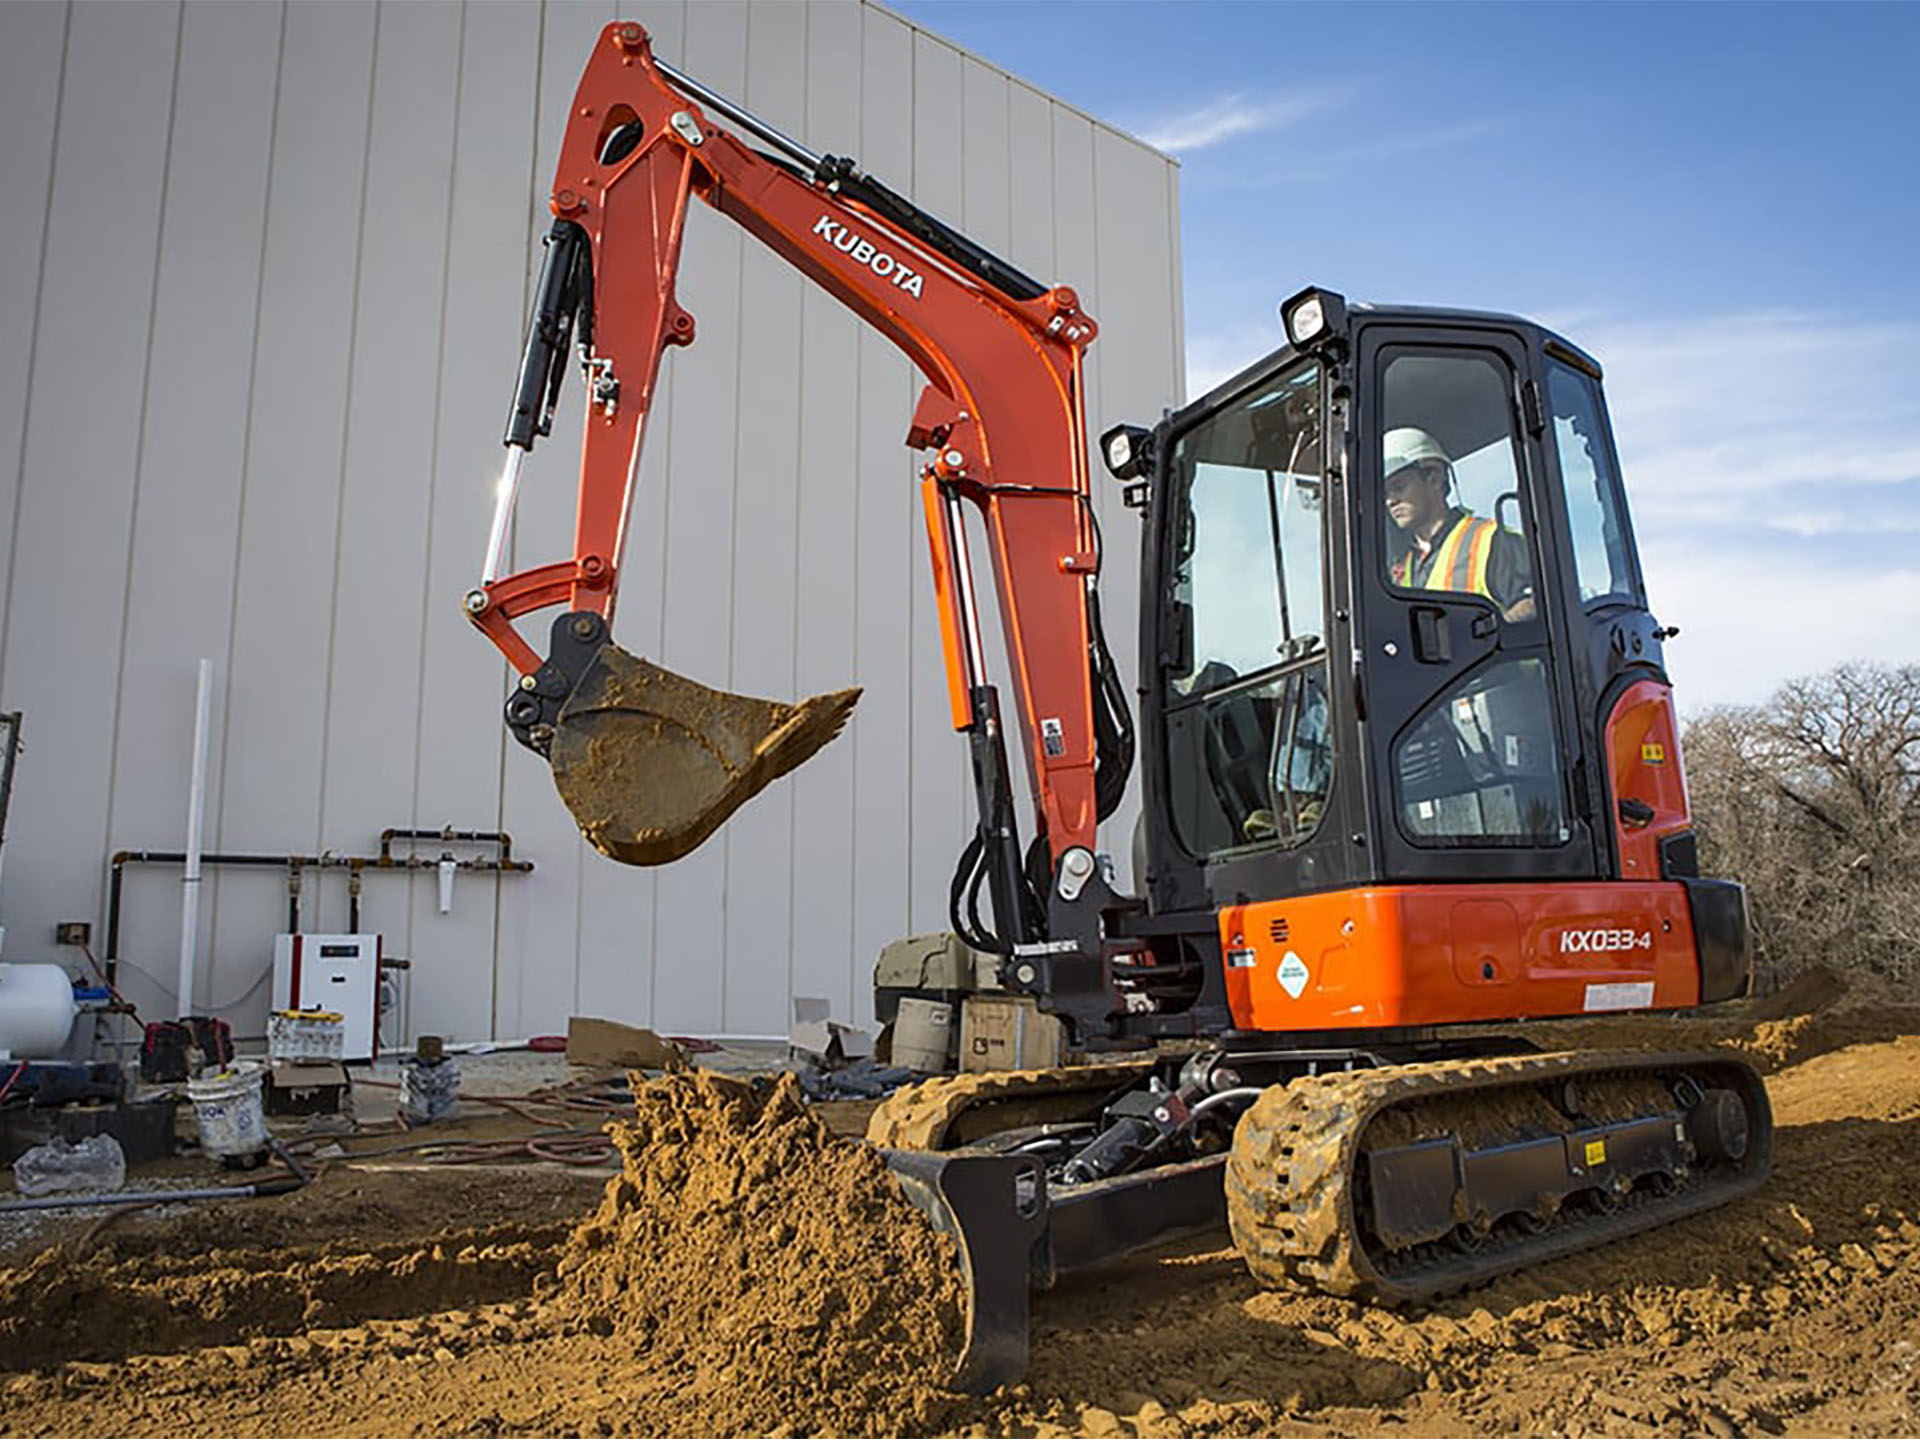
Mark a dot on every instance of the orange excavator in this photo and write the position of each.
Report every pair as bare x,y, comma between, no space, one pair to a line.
1411,770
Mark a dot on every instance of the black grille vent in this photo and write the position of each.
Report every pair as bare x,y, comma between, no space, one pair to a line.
1277,929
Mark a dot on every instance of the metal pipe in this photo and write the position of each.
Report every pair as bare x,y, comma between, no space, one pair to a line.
196,813
291,863
963,580
744,118
499,838
1239,1092
282,1185
9,747
113,923
505,492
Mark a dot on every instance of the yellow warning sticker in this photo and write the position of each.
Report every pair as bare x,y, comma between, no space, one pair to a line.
1652,754
1596,1152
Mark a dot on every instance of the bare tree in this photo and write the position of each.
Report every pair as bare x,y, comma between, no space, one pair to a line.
1813,799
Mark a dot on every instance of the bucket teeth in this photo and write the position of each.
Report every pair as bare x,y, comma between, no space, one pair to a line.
651,763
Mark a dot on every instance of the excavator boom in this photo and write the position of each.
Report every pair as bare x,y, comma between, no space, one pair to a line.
650,762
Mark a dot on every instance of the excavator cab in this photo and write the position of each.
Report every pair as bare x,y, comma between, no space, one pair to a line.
1410,738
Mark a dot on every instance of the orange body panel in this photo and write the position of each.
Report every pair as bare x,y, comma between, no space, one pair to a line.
1643,763
1441,954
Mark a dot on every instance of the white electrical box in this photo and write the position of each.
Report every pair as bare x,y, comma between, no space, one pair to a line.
332,972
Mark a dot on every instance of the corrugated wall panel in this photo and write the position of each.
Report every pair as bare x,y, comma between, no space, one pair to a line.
481,271
820,913
32,62
373,699
766,464
274,696
66,596
886,533
192,459
308,493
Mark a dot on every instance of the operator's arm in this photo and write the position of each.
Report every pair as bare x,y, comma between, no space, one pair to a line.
1510,576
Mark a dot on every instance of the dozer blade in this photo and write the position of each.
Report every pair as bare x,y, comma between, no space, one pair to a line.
1015,1232
994,1207
651,763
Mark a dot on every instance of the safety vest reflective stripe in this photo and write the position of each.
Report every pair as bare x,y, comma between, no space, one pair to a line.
1440,574
1480,550
1461,562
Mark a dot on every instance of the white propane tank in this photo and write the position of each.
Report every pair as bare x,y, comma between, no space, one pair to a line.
36,1011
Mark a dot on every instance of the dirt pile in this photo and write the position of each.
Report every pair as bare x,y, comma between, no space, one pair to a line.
769,1272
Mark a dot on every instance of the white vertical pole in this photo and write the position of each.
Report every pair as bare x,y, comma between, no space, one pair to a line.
196,808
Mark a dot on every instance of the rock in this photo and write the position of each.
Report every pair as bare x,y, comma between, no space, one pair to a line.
1096,1421
1856,1258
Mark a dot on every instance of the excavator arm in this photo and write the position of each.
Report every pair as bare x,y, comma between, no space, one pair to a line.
650,762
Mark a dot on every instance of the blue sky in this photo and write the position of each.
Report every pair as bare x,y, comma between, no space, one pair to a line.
1720,201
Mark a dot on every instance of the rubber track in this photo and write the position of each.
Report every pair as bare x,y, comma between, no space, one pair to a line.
917,1117
1289,1179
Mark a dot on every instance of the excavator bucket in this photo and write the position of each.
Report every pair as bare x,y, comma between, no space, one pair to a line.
651,763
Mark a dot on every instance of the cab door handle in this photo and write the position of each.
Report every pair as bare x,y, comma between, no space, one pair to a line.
1432,642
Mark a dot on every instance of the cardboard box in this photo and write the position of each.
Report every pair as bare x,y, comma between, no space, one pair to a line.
306,1089
609,1045
817,1036
1007,1032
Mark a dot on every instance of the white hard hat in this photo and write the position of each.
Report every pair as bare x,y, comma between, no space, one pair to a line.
1409,446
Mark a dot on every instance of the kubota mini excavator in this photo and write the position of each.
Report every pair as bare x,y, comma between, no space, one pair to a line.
1411,766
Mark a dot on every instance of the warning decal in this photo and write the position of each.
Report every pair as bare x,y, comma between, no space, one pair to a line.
1293,974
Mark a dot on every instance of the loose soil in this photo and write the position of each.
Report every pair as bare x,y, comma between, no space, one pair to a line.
748,1273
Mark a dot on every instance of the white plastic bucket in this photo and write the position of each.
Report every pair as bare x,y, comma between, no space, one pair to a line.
227,1107
923,1034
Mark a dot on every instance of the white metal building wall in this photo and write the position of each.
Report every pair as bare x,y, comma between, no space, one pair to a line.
263,275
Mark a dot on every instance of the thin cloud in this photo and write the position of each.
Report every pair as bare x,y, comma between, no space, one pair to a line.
1321,165
1741,637
1760,405
1215,357
1225,118
1812,524
1773,459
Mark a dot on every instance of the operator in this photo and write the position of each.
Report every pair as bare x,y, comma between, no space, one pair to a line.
1448,547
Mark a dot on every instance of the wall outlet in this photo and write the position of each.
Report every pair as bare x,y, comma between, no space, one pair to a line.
72,932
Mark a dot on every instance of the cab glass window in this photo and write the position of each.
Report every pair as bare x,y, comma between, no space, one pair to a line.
1451,501
1246,580
1251,765
1596,510
1480,764
1248,734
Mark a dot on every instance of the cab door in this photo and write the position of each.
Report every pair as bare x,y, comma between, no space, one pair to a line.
1461,649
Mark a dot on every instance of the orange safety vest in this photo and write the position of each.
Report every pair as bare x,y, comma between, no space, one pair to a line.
1460,563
